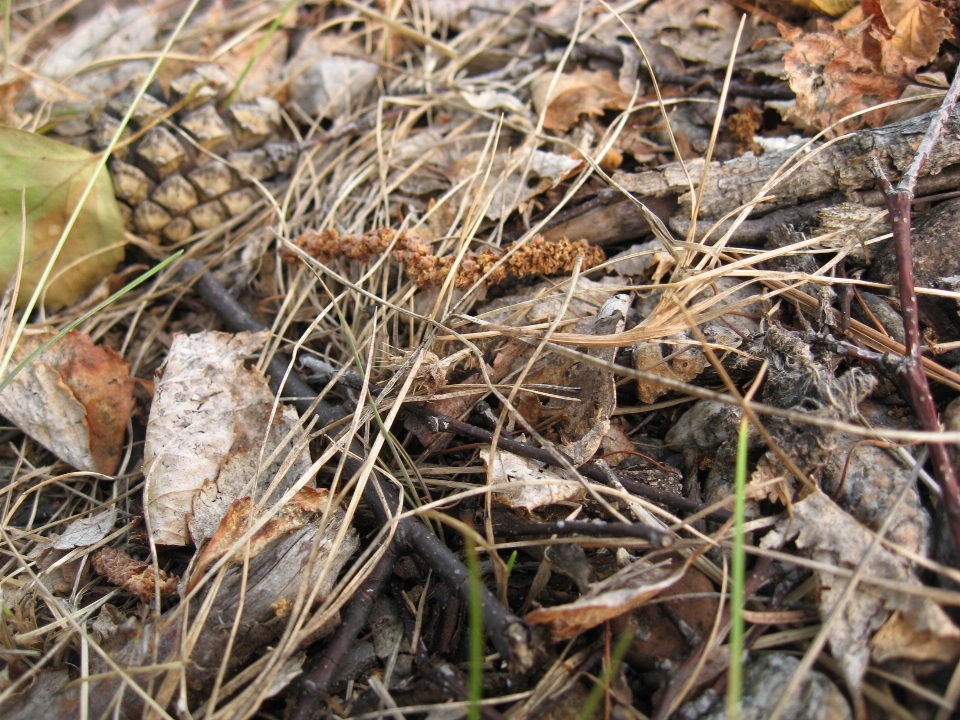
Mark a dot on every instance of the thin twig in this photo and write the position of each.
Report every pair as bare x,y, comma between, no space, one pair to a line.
900,205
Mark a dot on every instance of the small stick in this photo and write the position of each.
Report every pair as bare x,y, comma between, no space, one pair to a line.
581,527
900,206
312,685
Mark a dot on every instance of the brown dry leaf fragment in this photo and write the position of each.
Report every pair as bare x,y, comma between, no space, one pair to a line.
699,31
508,187
833,8
134,576
587,394
918,28
75,400
657,638
300,510
900,639
87,531
579,93
211,417
620,593
550,486
827,534
683,366
835,74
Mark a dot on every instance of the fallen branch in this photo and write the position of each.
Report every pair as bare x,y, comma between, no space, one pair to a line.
834,168
304,700
442,423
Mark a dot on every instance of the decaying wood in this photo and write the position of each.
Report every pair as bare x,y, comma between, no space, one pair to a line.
273,580
826,169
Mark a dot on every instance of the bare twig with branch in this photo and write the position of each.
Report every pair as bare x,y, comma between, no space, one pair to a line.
900,206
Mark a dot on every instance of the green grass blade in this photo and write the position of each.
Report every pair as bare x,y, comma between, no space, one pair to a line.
87,315
475,612
596,692
510,563
737,573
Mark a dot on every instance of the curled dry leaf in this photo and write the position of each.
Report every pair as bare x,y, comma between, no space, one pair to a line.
54,176
620,593
514,177
75,400
590,398
917,27
579,93
827,534
305,505
213,437
549,485
836,73
134,576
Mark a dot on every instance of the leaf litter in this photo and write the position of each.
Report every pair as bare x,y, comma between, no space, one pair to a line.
507,345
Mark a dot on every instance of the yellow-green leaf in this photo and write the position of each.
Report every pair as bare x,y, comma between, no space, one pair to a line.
54,175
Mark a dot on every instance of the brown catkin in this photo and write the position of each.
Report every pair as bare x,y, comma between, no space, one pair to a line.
135,576
536,257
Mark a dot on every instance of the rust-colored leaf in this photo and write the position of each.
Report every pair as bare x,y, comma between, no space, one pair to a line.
835,74
226,539
620,593
75,400
918,29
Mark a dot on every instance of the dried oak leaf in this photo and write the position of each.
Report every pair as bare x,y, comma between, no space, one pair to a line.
916,27
75,400
579,93
543,485
134,576
307,503
584,415
618,594
836,73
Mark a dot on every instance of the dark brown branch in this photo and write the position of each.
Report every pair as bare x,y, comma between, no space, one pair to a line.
581,527
305,700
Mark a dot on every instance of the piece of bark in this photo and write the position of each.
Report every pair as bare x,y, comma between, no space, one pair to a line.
274,577
730,184
838,167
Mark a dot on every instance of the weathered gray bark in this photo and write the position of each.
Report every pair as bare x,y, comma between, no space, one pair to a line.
838,168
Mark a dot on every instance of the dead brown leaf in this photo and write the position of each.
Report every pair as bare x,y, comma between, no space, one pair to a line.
579,93
827,534
211,432
302,507
916,27
75,400
835,74
620,593
547,486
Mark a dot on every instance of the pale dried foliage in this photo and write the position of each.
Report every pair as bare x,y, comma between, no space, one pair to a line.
354,304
